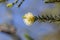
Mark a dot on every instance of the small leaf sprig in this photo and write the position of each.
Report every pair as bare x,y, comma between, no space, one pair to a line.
29,18
21,3
12,4
51,1
48,18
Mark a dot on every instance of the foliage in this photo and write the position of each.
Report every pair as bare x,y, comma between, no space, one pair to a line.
28,37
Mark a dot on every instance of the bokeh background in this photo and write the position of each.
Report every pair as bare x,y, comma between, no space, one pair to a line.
37,30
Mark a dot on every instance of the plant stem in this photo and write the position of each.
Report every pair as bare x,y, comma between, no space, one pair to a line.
48,18
20,3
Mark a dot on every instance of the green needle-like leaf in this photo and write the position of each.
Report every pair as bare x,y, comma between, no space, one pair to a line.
28,37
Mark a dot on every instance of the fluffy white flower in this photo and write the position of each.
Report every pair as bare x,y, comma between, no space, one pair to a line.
28,18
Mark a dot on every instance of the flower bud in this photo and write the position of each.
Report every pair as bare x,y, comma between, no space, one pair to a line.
28,18
9,5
